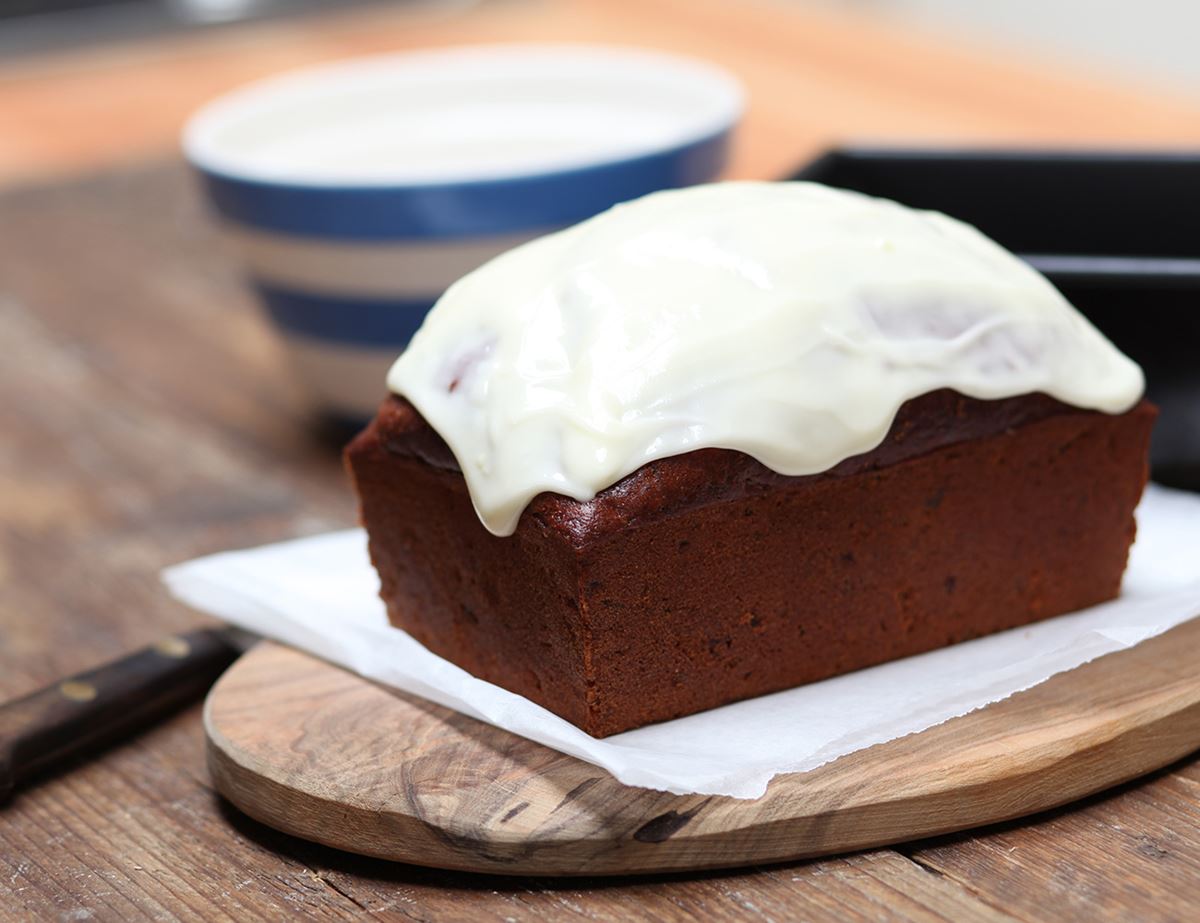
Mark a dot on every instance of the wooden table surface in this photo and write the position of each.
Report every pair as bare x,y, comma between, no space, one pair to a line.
145,418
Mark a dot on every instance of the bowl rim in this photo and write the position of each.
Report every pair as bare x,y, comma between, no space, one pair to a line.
718,86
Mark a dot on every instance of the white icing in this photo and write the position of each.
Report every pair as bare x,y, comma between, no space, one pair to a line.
786,320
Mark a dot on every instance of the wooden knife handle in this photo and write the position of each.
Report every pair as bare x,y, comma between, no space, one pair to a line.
96,707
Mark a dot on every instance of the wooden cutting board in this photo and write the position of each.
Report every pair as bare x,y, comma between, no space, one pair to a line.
323,754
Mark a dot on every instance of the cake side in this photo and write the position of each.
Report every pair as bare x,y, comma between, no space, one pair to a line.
506,614
705,578
806,582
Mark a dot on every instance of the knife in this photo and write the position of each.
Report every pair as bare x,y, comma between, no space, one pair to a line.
97,707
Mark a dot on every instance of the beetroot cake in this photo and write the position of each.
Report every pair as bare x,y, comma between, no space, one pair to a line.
706,578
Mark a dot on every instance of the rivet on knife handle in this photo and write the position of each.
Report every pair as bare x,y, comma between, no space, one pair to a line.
96,707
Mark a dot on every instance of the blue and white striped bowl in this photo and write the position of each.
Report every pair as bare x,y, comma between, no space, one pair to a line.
357,192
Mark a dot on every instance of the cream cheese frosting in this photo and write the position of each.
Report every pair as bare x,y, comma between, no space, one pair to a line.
788,321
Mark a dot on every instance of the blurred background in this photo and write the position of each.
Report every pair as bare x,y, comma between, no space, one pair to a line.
91,82
1150,40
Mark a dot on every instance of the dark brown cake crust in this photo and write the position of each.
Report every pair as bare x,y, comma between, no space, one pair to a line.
706,578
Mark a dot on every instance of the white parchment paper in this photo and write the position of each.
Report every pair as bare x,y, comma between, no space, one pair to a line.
319,594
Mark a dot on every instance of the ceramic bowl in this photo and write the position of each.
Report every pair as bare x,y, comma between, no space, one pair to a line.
356,192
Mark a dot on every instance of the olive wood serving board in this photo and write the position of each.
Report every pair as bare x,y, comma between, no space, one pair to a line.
318,752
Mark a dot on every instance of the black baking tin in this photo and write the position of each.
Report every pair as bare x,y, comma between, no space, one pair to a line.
1117,233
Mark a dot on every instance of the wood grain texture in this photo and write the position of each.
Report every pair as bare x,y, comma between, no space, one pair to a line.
315,751
122,452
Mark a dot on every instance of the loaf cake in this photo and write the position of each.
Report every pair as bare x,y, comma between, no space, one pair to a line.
724,441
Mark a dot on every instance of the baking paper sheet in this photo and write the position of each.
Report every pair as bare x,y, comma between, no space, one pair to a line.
319,594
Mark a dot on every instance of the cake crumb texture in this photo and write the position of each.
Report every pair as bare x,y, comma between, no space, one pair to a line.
706,578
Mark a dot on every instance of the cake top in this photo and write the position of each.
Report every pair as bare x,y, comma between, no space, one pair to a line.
788,321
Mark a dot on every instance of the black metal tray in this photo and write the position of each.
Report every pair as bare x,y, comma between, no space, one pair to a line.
1118,233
